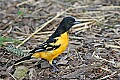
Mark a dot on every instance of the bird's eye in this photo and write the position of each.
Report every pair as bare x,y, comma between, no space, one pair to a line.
70,22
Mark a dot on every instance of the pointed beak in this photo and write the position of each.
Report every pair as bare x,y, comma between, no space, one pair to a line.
76,22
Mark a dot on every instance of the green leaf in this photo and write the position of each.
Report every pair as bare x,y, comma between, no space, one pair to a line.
20,12
7,39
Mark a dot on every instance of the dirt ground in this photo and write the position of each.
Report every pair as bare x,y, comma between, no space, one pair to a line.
94,46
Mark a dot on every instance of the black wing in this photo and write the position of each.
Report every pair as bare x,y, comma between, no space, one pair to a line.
46,46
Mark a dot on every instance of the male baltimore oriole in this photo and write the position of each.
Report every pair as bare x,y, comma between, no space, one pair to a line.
56,43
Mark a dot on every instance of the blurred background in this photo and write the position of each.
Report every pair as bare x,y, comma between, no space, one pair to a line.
94,49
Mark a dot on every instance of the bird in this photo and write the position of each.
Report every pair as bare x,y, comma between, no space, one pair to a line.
55,45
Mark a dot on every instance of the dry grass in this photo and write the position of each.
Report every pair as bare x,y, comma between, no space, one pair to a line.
94,48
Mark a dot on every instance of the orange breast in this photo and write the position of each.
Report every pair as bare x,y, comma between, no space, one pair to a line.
50,55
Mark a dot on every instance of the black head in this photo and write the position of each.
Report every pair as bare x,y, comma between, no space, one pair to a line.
67,23
64,26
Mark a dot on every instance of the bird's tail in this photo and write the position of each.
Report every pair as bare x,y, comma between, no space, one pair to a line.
24,58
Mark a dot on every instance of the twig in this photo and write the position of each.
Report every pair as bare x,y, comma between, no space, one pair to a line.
105,69
113,46
24,2
99,57
75,37
41,33
12,76
57,1
2,56
77,26
105,77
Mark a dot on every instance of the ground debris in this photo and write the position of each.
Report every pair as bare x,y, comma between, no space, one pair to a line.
94,48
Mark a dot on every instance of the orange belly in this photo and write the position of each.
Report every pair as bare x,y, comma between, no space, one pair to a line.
50,55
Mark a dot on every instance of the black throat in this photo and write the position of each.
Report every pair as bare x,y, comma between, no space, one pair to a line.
60,30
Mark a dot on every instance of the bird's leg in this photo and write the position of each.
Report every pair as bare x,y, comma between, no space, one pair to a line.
55,68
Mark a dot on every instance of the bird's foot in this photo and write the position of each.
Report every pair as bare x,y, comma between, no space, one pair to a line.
55,69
